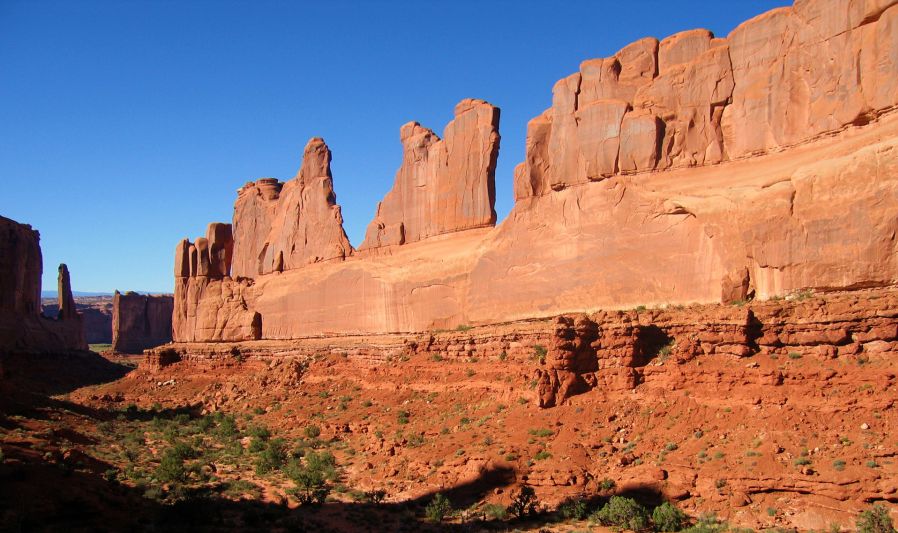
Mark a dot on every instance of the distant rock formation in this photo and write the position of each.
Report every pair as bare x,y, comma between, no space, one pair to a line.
691,169
443,186
282,226
96,313
22,327
140,321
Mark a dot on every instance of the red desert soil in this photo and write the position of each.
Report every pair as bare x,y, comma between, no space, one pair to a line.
791,436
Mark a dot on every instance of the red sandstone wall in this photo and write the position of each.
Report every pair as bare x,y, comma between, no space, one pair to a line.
140,321
22,328
692,169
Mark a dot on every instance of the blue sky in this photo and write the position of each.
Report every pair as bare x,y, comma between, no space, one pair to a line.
128,125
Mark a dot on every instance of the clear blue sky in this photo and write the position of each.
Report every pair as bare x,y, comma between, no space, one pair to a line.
128,125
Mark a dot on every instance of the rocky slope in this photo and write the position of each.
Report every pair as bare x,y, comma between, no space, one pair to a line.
737,409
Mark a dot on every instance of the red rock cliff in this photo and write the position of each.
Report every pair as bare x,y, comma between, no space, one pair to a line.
692,169
443,186
140,321
282,226
22,327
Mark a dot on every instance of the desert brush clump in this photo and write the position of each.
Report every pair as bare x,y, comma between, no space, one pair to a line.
622,512
438,509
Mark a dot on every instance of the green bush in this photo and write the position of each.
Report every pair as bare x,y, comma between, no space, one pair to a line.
622,512
438,508
667,517
539,353
574,508
875,520
272,457
494,511
171,468
708,523
312,431
311,487
227,427
524,503
607,485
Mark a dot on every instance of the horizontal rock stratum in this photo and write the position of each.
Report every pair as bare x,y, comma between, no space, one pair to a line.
691,169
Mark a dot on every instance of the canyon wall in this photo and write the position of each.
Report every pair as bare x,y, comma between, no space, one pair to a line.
140,321
691,169
22,327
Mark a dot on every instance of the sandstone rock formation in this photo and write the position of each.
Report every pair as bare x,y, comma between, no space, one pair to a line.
140,321
444,185
282,226
684,170
22,327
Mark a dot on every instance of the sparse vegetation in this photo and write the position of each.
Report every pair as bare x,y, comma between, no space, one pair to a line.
438,509
875,520
524,502
668,517
539,353
622,512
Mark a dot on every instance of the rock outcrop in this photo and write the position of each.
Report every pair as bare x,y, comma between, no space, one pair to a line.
208,303
777,80
691,169
140,321
22,327
283,226
444,185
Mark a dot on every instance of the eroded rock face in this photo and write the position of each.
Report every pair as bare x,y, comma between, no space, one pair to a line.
22,327
443,186
282,226
141,321
208,303
638,188
777,80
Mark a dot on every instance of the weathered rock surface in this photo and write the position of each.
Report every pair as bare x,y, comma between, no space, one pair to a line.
444,185
141,321
208,303
95,311
22,327
282,226
806,199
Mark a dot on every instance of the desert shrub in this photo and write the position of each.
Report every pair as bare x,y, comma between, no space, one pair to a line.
439,508
323,462
260,432
541,432
312,431
272,457
376,496
524,502
311,486
574,508
875,520
171,468
622,512
227,427
667,517
494,511
607,484
541,455
708,523
839,465
402,417
539,353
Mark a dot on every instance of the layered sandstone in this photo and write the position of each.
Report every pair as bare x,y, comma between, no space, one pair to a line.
444,185
645,183
692,99
282,226
22,327
140,321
